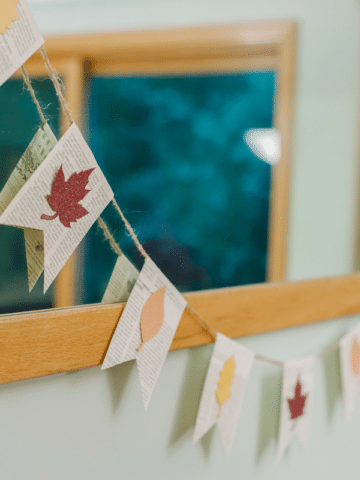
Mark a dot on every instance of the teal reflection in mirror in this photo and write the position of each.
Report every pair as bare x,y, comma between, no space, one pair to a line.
173,150
19,121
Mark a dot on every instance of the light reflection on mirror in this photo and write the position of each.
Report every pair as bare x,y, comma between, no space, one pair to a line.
265,143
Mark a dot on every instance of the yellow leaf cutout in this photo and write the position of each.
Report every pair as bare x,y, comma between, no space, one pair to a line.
223,393
8,14
152,316
355,357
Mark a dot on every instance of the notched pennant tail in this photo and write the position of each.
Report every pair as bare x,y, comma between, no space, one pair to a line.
66,195
152,316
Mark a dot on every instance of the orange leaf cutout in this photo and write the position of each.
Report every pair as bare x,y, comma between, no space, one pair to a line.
152,316
297,404
223,393
355,357
8,14
66,195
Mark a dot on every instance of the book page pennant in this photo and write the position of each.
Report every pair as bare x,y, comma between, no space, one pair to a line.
350,369
69,225
20,37
147,327
296,401
121,282
224,388
39,148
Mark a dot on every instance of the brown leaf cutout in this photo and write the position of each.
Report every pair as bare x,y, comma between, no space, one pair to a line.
152,316
223,393
297,403
355,357
66,195
8,14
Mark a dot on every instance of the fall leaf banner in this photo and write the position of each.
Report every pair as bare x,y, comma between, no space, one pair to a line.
122,281
223,391
296,401
41,145
350,369
70,180
20,37
147,327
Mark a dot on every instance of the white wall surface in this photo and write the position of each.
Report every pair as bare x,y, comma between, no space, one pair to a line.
91,425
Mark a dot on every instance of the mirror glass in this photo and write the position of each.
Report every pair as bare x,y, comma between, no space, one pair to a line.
174,152
19,121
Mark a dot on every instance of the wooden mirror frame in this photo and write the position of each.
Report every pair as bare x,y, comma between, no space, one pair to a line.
65,339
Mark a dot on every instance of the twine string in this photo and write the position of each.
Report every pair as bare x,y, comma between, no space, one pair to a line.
202,322
130,229
27,82
331,348
58,84
269,360
115,247
58,88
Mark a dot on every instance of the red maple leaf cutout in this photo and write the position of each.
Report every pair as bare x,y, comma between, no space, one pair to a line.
66,195
297,404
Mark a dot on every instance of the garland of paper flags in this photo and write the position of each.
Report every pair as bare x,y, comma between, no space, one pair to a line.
55,194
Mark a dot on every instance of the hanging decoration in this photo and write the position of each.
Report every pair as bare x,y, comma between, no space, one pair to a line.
70,155
296,401
57,191
121,282
20,37
41,145
147,327
350,369
224,388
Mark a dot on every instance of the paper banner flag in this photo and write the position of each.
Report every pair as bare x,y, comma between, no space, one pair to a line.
72,156
350,369
224,389
21,39
128,337
41,145
296,401
121,282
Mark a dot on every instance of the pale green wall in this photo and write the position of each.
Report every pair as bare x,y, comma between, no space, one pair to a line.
91,424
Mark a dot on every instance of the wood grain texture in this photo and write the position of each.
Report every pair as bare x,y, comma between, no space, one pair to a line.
225,40
61,340
280,181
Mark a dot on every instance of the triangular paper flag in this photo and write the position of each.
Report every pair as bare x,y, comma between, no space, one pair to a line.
64,232
224,388
20,37
122,281
41,145
296,401
166,310
350,369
